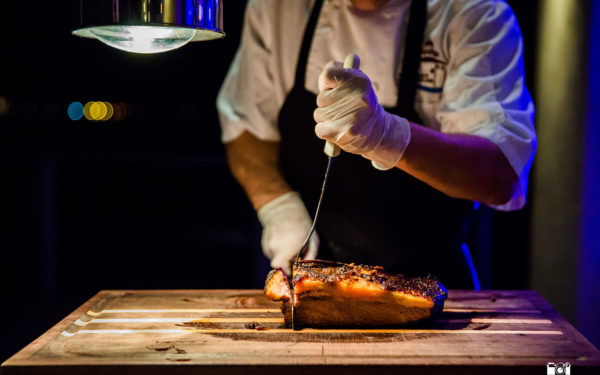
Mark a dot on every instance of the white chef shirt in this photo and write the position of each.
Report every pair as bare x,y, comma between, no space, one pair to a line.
471,79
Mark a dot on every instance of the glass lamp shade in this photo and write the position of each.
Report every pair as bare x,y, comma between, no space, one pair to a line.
143,39
150,26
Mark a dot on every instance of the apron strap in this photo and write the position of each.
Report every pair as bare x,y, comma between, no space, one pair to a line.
408,78
306,44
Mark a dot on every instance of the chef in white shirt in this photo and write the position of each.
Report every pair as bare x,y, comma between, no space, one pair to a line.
436,120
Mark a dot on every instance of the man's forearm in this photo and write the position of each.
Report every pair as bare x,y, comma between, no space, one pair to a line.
460,165
254,164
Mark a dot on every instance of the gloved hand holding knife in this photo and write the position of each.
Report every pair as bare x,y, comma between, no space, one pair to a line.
350,116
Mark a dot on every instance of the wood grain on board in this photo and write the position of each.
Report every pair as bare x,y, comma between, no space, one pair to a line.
187,331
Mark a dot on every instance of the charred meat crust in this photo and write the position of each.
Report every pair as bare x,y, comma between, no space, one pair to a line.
338,294
334,272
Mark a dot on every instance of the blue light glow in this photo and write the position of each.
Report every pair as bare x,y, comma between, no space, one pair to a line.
588,277
189,14
75,111
469,260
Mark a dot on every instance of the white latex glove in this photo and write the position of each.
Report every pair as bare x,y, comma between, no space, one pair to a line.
350,116
286,224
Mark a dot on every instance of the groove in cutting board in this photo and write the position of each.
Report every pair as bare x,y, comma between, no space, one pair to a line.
280,320
277,311
242,311
308,330
188,320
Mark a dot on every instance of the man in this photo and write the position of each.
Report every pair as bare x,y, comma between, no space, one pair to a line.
436,118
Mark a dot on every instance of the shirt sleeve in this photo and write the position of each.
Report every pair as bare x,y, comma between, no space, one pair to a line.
484,93
246,101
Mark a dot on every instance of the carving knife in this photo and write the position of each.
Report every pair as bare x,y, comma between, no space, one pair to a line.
331,150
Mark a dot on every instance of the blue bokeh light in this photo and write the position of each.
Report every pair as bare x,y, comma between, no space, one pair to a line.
75,111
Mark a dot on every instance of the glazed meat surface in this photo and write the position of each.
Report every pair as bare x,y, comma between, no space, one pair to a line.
338,294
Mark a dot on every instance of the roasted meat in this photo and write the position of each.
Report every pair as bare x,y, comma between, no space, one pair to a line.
338,294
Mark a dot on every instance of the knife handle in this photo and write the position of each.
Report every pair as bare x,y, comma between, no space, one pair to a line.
352,61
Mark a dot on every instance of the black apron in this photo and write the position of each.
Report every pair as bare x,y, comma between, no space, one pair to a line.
368,216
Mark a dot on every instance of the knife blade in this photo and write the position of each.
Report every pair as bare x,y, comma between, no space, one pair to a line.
332,150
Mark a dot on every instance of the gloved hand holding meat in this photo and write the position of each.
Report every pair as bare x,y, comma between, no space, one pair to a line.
350,116
286,224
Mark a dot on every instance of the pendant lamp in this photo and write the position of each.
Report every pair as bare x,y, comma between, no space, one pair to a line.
150,26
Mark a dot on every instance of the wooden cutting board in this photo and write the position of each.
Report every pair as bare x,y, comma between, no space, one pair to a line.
204,331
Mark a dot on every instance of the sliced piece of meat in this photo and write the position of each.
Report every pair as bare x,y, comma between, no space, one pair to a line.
277,286
338,294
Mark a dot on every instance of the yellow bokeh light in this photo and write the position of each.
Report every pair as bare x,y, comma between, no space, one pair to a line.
94,111
86,111
109,111
98,111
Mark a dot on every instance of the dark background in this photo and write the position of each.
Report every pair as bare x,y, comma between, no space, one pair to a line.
147,202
